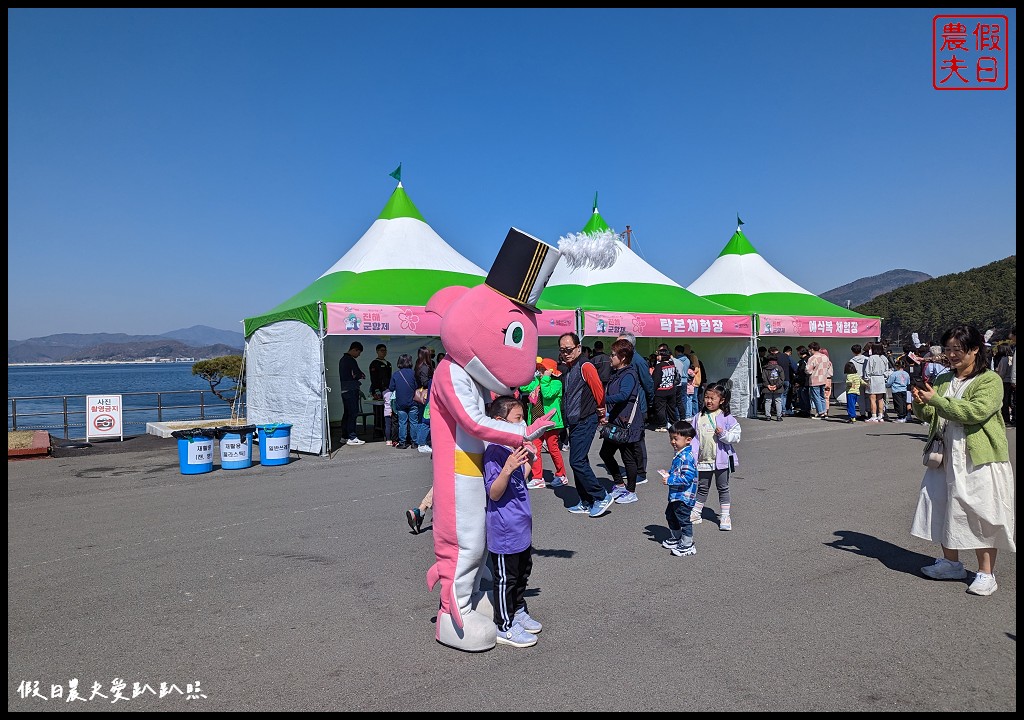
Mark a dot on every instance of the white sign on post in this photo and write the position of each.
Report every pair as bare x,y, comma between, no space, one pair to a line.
103,417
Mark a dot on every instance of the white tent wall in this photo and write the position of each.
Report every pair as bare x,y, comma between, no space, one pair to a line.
284,382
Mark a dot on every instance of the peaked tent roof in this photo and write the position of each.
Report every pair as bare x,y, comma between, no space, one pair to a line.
629,285
740,278
399,260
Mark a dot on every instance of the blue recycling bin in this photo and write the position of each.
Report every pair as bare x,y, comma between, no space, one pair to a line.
275,443
195,450
235,446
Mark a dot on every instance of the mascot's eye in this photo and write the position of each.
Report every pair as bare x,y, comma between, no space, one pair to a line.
514,334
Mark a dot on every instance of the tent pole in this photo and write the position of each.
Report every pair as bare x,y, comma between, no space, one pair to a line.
752,405
325,446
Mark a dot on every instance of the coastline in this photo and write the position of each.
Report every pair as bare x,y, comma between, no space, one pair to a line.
191,361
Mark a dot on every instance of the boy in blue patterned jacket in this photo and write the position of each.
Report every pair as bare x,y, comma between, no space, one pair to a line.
682,489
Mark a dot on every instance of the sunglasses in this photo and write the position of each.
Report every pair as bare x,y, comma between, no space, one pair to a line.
566,350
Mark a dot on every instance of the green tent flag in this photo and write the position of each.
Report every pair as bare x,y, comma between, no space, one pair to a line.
397,174
738,221
595,202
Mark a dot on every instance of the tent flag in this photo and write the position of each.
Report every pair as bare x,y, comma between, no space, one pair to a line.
739,223
397,173
595,201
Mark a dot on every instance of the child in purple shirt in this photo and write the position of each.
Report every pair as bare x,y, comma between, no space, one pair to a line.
509,529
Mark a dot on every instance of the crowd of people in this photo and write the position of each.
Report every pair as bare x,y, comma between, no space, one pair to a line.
798,382
961,389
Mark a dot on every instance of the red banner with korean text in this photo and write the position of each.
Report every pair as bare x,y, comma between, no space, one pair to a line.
345,319
666,325
798,326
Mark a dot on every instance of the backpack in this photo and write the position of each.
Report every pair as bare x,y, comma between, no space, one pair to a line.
603,364
774,377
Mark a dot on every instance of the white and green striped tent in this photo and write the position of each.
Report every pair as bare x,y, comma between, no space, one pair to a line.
784,313
292,350
633,295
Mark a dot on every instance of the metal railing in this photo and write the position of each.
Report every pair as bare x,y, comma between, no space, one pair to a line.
60,413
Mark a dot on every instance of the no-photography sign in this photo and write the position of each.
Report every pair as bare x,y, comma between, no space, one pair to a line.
103,416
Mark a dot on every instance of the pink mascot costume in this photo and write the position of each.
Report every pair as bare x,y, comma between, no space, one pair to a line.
489,334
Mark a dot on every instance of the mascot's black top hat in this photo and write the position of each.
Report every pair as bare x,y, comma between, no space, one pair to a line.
522,268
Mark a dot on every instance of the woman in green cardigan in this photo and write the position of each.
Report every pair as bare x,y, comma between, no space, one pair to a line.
967,503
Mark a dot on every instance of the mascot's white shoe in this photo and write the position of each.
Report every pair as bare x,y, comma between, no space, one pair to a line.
478,632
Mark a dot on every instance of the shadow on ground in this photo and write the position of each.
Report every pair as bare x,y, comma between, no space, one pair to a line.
892,556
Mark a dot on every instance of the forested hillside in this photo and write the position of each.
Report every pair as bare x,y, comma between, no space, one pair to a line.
985,297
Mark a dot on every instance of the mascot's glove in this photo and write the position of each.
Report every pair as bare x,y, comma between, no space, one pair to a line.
539,426
534,395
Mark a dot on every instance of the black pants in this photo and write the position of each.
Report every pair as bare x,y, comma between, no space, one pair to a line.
511,574
350,401
899,403
641,457
662,410
630,452
1009,409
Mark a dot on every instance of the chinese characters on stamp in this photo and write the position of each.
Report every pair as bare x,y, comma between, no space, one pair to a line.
970,52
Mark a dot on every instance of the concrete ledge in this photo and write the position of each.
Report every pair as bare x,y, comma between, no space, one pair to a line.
164,429
40,447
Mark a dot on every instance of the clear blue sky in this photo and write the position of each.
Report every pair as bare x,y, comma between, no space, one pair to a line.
169,168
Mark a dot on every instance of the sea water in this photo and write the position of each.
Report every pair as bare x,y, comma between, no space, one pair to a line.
75,381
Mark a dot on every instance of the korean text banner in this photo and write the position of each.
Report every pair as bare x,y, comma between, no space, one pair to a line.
665,325
344,319
796,326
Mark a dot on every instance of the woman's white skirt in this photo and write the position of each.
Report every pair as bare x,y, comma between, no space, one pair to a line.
964,506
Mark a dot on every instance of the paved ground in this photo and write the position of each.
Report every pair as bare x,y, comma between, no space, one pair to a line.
300,587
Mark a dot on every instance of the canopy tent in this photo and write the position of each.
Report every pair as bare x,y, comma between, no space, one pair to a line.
784,313
376,291
632,296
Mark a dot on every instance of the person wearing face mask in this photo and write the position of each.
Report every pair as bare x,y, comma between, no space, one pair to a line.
966,501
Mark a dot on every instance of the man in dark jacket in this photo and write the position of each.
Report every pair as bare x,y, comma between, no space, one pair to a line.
348,370
601,362
582,410
380,378
787,359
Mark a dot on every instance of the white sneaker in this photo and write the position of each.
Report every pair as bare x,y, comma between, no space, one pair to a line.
695,517
943,569
725,523
355,441
984,584
425,449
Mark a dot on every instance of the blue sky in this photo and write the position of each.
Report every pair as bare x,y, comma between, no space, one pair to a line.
169,168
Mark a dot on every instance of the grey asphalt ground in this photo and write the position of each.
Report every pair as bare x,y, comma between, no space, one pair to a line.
300,587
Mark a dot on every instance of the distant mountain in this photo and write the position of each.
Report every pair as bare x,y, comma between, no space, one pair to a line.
985,297
861,291
204,335
170,349
199,342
